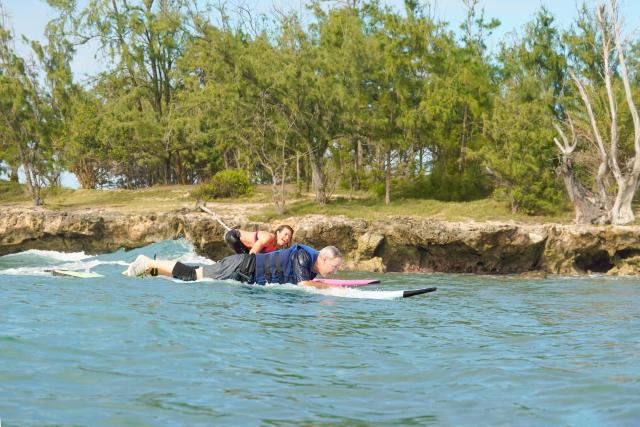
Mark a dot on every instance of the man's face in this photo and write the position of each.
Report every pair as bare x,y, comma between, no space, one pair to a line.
327,266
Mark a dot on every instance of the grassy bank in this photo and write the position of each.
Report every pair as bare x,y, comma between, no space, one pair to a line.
371,208
154,199
258,206
12,192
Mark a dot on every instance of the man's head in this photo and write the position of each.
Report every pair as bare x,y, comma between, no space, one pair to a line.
329,261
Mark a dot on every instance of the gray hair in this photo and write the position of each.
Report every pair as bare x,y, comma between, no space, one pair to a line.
330,252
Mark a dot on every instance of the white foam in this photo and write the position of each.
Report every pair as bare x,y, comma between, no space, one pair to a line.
25,271
88,264
193,258
74,265
55,255
185,252
41,260
344,292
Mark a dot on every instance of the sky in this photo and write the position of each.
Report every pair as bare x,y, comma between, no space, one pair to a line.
29,17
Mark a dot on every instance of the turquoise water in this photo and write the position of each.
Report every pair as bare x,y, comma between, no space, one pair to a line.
481,350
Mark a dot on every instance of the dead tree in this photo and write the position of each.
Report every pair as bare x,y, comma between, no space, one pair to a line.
610,203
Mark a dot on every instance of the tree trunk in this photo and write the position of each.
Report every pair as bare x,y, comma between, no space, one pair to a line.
283,193
13,173
318,179
587,207
317,175
31,176
622,211
387,181
411,161
462,141
54,179
85,171
307,178
225,157
298,170
180,172
357,166
167,169
34,185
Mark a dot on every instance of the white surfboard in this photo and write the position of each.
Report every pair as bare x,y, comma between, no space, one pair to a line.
72,273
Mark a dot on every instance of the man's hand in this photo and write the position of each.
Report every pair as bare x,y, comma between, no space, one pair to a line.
317,285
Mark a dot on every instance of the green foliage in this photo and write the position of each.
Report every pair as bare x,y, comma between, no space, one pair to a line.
520,154
521,158
10,191
226,183
28,117
433,187
360,94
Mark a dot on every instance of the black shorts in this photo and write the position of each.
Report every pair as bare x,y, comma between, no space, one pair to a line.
239,267
232,239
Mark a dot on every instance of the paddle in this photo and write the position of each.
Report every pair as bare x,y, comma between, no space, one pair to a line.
201,205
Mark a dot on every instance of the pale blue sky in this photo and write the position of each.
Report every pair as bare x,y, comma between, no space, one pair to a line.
30,16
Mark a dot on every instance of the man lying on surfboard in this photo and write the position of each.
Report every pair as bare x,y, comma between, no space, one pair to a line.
298,264
253,242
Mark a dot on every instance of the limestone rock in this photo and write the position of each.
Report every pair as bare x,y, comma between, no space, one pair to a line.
368,244
395,244
374,265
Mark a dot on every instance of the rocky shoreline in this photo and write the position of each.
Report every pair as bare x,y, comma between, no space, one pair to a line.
395,244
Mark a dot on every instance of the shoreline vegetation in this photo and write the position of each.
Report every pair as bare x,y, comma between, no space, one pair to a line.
258,205
372,109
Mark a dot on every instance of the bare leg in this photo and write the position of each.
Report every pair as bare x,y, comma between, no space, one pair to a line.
165,267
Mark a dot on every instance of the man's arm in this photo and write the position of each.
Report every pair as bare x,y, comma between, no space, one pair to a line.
302,270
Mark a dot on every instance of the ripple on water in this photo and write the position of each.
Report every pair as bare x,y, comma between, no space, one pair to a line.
488,350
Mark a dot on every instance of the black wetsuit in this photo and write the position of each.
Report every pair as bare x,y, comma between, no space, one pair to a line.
242,267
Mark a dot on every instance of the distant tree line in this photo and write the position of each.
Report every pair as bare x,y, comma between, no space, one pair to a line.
357,96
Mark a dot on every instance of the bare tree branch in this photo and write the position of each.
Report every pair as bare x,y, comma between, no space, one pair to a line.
592,118
625,80
606,53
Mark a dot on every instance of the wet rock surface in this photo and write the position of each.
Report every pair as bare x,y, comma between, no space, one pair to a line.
395,244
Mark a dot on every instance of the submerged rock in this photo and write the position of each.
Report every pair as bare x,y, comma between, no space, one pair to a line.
395,244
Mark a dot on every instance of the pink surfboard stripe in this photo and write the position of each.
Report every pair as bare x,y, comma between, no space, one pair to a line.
345,282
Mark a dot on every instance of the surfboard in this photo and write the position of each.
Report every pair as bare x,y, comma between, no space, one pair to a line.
347,292
346,282
398,294
72,273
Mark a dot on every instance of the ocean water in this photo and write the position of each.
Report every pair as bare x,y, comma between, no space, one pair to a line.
482,350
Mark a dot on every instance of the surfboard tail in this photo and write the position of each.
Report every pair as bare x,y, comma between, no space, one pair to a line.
414,292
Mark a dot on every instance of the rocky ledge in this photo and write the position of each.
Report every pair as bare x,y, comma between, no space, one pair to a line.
395,244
